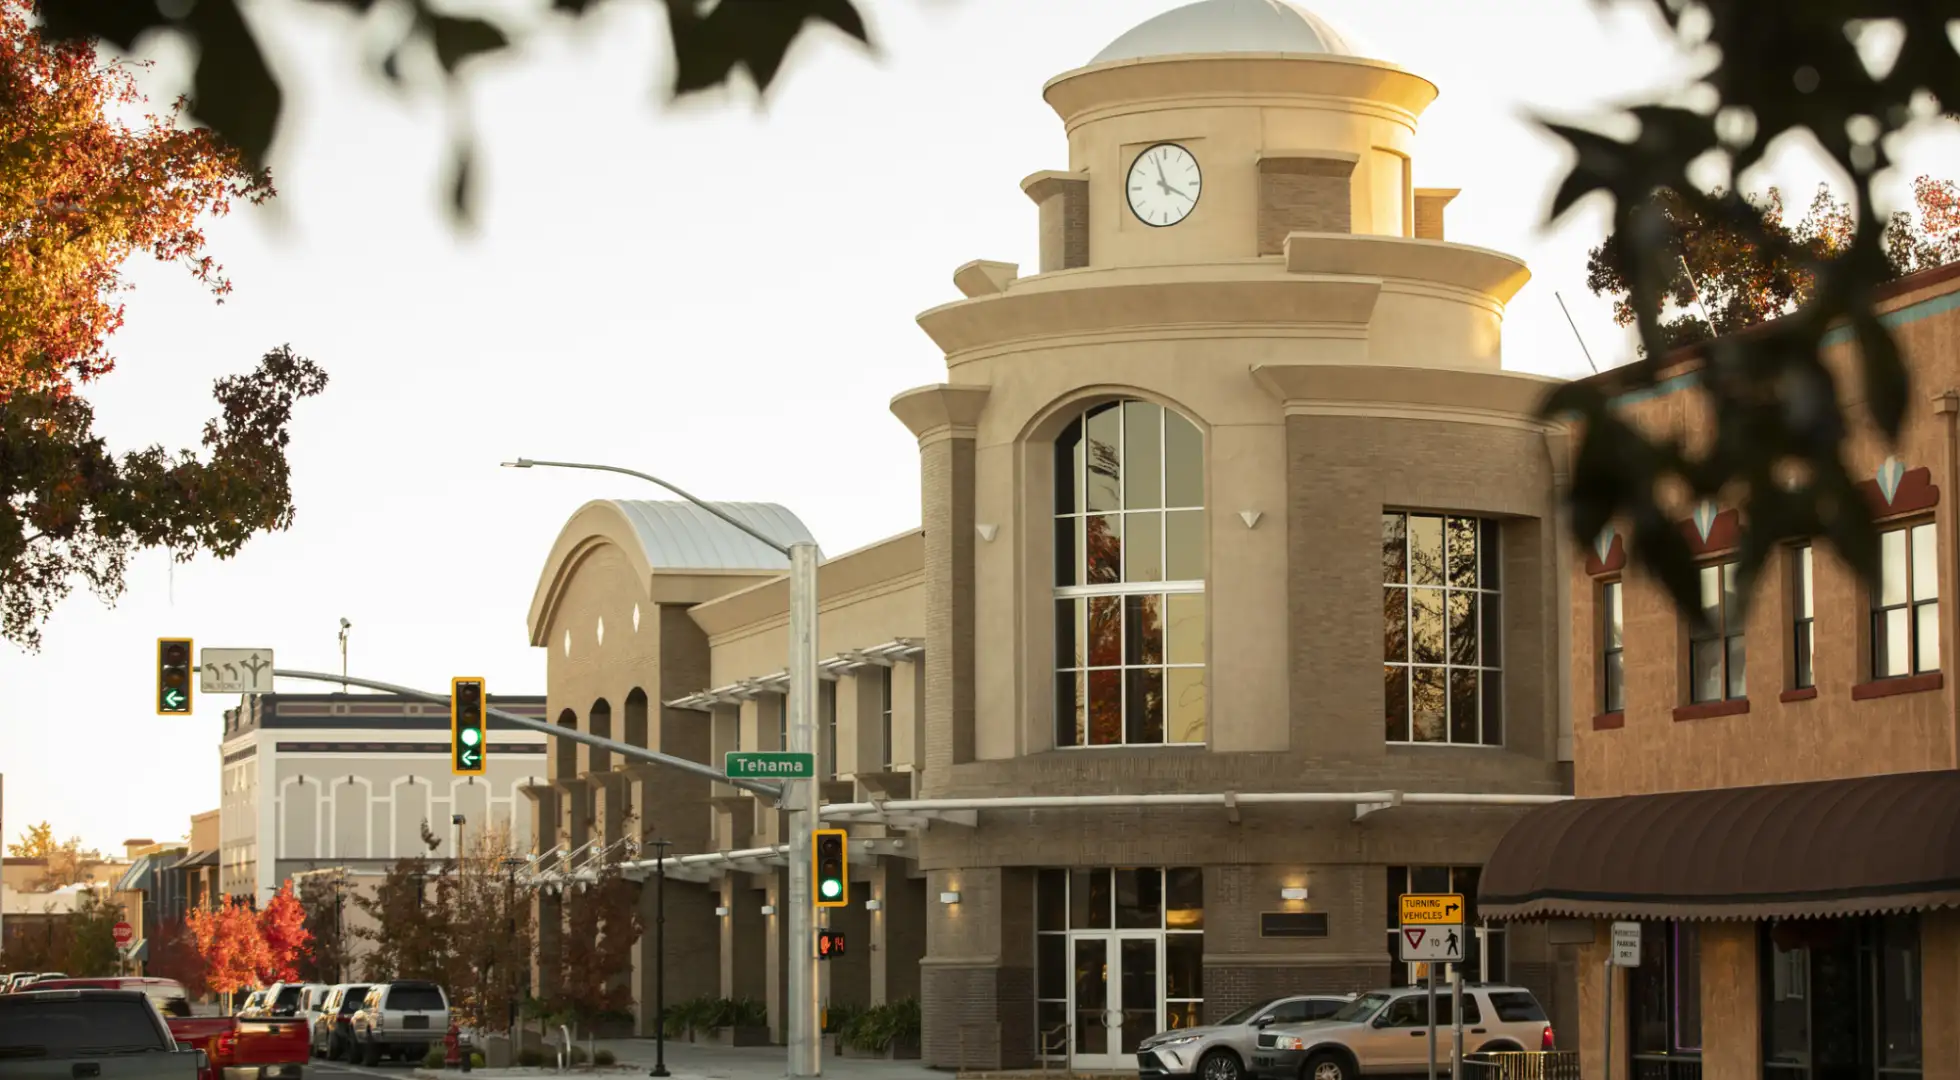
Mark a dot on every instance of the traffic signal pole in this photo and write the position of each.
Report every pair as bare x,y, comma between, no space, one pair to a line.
804,1026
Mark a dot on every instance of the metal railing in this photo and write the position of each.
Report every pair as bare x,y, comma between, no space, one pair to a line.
1049,1048
1665,1067
1522,1065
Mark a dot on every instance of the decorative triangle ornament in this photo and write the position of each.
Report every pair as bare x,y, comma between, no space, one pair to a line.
1704,518
1890,472
1603,543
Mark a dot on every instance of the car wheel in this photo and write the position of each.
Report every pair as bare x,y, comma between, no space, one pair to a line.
371,1053
1499,1048
1220,1065
1327,1065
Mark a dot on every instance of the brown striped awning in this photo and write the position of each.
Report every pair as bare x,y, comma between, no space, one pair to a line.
1833,847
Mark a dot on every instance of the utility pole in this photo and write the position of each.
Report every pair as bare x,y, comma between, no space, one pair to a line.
805,1055
660,959
344,627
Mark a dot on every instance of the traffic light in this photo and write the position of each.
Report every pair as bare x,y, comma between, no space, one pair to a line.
466,727
830,943
833,884
173,676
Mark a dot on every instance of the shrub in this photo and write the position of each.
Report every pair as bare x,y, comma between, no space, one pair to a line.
838,1017
746,1012
875,1029
605,1057
476,1059
530,1057
578,1055
433,1059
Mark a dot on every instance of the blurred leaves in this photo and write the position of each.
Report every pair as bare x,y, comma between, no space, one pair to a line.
237,95
1777,450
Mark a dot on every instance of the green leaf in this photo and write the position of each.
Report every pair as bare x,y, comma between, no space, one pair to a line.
755,36
233,91
458,39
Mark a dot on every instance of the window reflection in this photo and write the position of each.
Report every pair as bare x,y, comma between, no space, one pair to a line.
1441,680
1130,556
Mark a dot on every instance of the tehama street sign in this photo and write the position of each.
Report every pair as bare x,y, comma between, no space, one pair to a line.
234,671
769,765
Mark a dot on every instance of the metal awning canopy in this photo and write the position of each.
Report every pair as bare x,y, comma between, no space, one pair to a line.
844,663
1826,848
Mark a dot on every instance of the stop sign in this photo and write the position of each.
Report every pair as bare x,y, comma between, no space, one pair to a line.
124,933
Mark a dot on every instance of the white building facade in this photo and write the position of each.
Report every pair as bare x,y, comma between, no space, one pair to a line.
320,780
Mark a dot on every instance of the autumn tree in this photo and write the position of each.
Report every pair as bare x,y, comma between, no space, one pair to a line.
323,899
173,954
1730,276
91,939
82,191
282,926
491,933
63,863
230,944
602,922
409,920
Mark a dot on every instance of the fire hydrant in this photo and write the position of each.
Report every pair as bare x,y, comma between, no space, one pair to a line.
452,1045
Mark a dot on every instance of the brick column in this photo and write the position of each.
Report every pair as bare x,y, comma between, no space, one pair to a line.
977,979
744,932
1939,980
944,418
1731,992
693,948
897,932
546,914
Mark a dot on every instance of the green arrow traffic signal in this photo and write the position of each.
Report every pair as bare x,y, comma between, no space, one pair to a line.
173,676
466,720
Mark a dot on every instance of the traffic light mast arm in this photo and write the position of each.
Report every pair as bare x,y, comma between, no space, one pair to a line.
770,791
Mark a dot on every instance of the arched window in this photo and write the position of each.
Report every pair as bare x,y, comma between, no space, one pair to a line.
1129,578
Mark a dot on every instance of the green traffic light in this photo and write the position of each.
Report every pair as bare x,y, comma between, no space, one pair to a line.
830,888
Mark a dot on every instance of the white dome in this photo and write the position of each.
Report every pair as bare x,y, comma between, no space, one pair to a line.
1228,26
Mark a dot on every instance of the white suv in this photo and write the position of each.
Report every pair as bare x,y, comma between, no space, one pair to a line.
400,1019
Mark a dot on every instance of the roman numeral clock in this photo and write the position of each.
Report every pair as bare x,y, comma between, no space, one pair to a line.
1164,185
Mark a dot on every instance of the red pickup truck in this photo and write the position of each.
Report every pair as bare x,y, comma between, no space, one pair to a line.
238,1048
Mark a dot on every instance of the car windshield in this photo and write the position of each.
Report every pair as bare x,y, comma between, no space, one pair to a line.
1246,1014
1360,1008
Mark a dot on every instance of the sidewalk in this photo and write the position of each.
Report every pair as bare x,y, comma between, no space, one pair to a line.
691,1061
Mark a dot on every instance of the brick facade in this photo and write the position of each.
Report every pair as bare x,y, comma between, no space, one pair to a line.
1303,194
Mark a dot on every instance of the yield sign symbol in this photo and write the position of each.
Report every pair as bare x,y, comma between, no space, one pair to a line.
1415,937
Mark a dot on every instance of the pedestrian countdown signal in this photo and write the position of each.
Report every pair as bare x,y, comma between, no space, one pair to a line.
173,676
466,727
833,885
830,943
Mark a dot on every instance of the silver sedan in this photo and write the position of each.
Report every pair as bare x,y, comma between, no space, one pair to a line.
1220,1051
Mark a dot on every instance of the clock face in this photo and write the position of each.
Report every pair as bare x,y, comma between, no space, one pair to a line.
1163,185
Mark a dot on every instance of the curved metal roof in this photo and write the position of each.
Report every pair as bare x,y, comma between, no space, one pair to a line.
1229,26
682,536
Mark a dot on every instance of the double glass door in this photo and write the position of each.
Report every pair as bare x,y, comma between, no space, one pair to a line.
1117,998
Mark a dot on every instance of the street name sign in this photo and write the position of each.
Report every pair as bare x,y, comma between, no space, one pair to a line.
1423,944
1432,909
234,671
1626,944
769,765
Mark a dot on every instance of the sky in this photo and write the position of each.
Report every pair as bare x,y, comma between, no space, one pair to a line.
720,291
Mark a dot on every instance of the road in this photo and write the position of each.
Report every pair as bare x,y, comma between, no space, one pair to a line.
338,1070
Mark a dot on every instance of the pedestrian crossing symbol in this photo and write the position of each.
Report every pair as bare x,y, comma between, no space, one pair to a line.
1432,943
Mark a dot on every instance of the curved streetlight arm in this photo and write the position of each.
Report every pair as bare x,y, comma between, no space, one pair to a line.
773,792
526,463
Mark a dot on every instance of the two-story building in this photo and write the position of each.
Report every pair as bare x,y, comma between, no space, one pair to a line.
1771,791
1238,606
353,780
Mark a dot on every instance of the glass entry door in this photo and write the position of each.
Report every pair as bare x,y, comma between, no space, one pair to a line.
1117,997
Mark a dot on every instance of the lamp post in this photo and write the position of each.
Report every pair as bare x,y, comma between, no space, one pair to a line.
660,958
799,796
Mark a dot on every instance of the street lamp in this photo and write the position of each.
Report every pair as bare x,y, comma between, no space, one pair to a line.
799,796
660,959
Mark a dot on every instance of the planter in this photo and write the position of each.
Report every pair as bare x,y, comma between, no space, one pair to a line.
899,1050
497,1052
743,1036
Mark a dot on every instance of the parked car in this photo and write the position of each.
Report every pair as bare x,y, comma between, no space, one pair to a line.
254,1003
312,998
235,1047
1386,1032
27,979
97,1034
333,1030
283,999
16,981
1220,1051
400,1020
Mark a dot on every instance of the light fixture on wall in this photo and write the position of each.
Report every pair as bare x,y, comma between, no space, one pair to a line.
1250,517
768,909
950,897
987,532
1293,892
721,912
873,905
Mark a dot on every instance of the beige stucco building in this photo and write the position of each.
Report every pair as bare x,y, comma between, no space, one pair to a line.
1237,606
